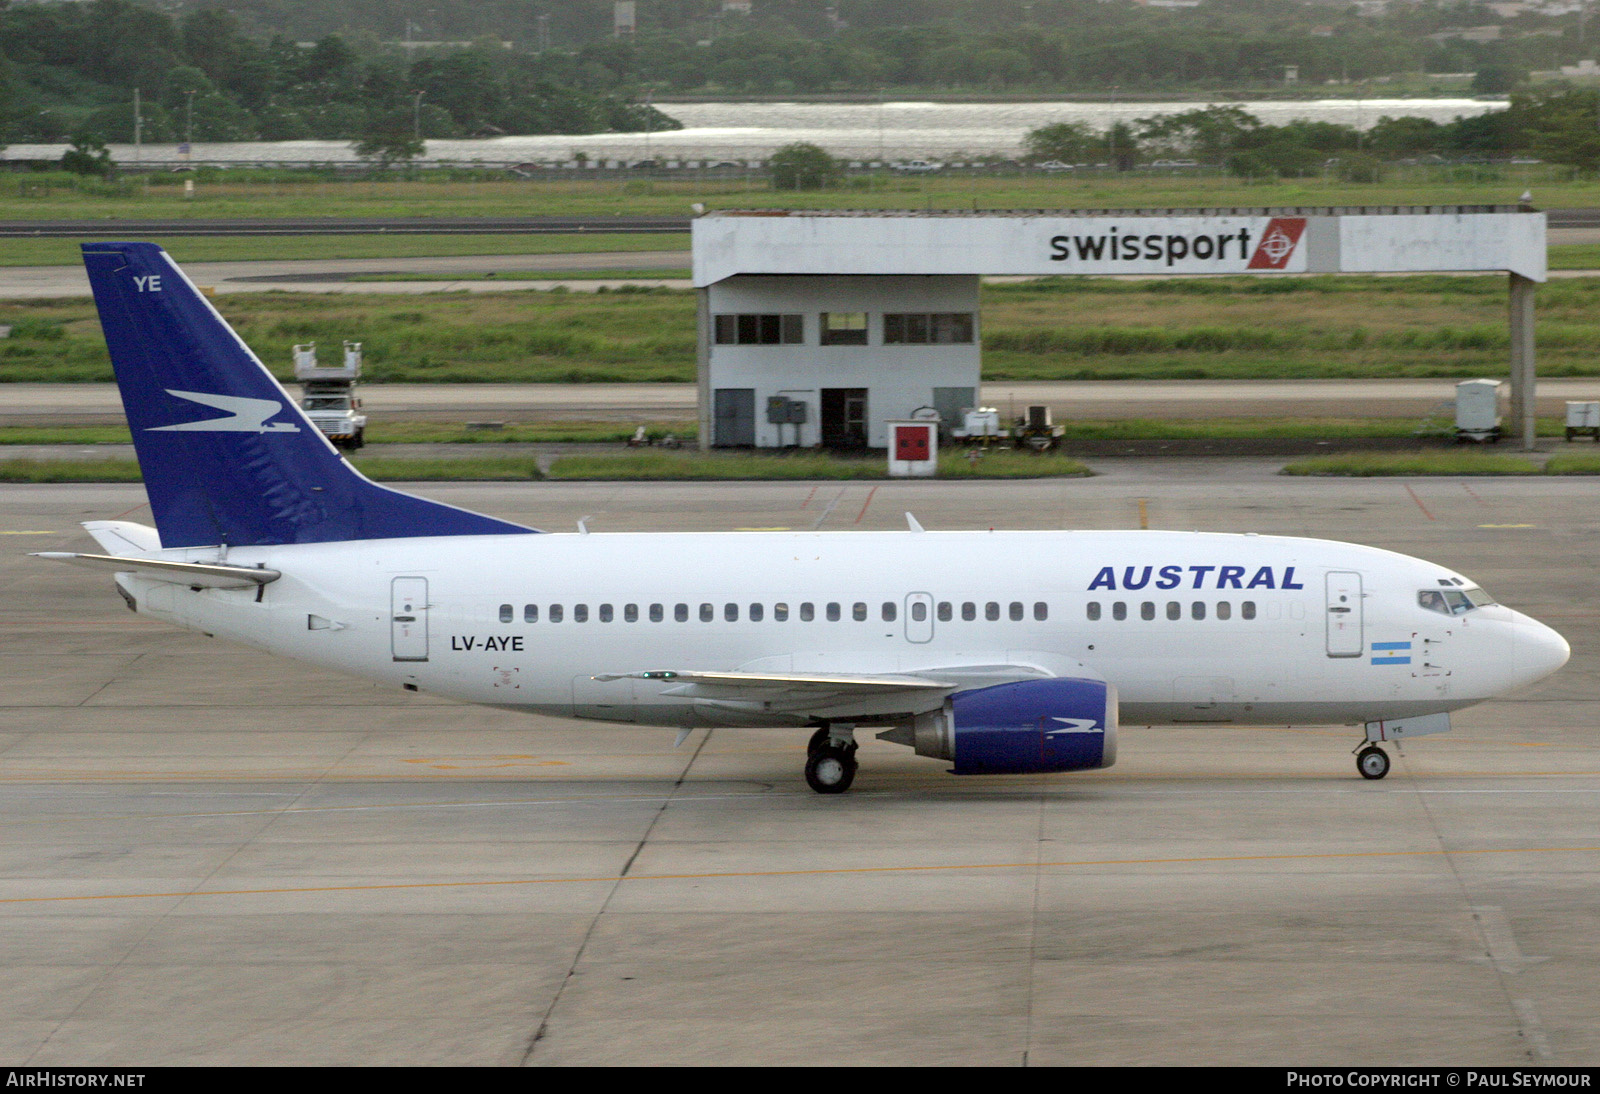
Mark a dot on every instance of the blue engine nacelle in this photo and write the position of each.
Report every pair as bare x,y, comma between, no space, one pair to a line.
1033,725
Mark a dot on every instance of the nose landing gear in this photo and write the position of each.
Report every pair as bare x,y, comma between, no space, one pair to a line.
1372,762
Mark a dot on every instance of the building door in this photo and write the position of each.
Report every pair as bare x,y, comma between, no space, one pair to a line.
408,618
735,410
919,617
1345,635
844,417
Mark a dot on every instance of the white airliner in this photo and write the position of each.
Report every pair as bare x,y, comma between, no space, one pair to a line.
1001,652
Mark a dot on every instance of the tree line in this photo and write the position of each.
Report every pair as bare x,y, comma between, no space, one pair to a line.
71,69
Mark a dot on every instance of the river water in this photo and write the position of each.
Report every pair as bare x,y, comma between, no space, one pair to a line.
857,131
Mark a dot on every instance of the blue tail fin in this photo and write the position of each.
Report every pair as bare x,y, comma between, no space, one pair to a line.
227,456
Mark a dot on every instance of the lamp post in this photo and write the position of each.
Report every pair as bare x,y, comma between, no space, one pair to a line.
416,116
188,124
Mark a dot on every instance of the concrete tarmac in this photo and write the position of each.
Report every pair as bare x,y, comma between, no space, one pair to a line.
208,856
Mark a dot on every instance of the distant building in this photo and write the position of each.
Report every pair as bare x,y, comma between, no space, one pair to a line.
624,18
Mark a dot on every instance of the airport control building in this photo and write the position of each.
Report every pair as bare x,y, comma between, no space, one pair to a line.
818,328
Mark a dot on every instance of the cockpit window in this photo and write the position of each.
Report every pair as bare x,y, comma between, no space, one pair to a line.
1454,601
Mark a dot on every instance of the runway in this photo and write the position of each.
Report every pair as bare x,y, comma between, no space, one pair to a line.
211,857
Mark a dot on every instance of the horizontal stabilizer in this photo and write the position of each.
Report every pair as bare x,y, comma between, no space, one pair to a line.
210,575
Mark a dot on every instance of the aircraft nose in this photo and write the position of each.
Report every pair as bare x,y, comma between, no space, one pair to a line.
1540,651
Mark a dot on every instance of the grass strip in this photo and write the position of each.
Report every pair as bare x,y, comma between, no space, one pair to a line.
514,276
1573,464
70,471
186,249
470,469
1451,462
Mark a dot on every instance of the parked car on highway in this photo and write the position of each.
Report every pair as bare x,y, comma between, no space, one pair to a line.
915,167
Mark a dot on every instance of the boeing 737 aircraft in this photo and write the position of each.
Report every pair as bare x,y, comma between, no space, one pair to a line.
997,651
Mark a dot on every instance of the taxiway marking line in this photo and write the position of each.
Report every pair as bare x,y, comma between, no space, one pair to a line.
1418,500
866,503
838,872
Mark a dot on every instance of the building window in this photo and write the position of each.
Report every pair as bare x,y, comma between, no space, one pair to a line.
760,330
844,328
938,328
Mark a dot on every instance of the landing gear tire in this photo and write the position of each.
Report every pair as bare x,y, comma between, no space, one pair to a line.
1373,763
819,741
831,769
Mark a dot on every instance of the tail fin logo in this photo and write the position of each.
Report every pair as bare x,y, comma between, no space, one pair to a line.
245,415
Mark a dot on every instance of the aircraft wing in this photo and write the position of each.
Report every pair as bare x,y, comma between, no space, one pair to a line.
827,694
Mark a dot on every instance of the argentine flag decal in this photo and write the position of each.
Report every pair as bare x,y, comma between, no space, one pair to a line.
1391,653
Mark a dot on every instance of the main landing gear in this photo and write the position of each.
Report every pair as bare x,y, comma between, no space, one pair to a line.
1372,762
831,759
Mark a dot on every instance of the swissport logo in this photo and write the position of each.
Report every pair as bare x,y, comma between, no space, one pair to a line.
1277,243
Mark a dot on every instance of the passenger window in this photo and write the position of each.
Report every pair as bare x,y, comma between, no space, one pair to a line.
969,611
530,613
780,612
1147,610
505,613
808,612
1197,610
945,614
580,613
1119,610
756,613
858,611
888,611
605,613
1174,610
1247,610
657,613
556,613
708,612
1041,610
1224,609
1016,611
730,612
991,611
630,613
833,611
1094,610
919,611
680,612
